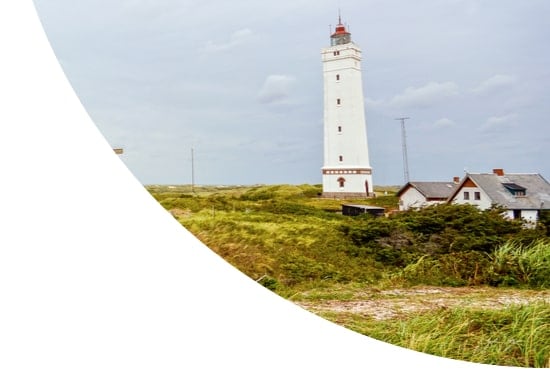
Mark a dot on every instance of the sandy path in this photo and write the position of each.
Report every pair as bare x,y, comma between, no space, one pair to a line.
402,302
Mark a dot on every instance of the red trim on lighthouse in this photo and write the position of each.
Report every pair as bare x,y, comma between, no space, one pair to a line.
340,28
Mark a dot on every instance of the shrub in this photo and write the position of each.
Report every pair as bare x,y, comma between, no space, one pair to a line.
287,232
268,282
451,228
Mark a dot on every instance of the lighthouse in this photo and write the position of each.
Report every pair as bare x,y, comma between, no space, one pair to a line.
346,170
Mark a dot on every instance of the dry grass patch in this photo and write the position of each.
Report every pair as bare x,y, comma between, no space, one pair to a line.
401,303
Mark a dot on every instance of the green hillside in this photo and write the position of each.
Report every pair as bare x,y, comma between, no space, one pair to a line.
299,245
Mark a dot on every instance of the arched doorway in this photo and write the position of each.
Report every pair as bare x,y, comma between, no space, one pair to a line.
341,182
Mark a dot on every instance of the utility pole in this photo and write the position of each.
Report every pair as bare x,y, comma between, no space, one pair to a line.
404,147
192,171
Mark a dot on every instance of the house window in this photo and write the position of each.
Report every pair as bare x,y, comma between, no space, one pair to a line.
341,181
517,214
477,195
337,77
337,101
340,158
466,196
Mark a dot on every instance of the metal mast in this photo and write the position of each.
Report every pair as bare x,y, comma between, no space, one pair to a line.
404,147
192,170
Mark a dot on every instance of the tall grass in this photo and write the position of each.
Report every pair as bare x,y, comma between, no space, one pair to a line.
511,264
516,264
292,241
290,249
518,335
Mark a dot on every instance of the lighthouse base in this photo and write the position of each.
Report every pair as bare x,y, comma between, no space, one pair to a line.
342,183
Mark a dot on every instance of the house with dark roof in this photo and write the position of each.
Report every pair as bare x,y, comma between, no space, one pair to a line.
523,196
420,194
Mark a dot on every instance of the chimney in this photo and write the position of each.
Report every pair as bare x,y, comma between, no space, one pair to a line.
498,172
456,179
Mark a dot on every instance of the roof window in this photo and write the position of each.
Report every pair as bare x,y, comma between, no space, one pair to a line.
515,189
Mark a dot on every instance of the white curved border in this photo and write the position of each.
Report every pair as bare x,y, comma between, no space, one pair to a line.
94,273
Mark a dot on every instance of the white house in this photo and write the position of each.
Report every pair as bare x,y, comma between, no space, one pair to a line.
522,195
420,194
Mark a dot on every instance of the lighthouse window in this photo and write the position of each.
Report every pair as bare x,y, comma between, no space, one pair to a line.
341,181
336,53
337,77
339,128
340,158
337,101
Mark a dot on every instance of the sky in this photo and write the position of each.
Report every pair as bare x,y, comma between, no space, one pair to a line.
231,93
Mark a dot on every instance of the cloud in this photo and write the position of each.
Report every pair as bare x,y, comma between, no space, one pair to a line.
374,104
276,88
416,97
237,38
467,7
494,123
444,122
494,83
425,96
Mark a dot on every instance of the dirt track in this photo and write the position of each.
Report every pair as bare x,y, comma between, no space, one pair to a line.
396,303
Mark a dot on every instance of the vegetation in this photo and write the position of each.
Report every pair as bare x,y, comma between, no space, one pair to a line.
290,240
290,237
517,335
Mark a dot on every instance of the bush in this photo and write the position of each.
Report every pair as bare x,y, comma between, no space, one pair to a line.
268,282
287,232
454,228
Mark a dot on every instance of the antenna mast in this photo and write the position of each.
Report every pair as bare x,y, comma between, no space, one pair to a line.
404,147
192,171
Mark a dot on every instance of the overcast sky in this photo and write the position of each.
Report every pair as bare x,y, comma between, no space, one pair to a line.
240,83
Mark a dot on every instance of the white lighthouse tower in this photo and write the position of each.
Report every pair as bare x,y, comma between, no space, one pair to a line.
346,169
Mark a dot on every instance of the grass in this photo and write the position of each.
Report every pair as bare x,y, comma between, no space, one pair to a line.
498,326
527,265
518,335
293,242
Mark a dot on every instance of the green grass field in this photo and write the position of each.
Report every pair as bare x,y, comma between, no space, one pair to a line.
465,266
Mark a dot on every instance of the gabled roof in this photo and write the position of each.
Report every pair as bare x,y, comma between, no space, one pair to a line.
498,189
431,190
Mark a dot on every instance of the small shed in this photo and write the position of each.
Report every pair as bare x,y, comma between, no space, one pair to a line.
355,209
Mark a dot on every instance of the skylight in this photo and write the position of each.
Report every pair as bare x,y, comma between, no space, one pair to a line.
515,189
